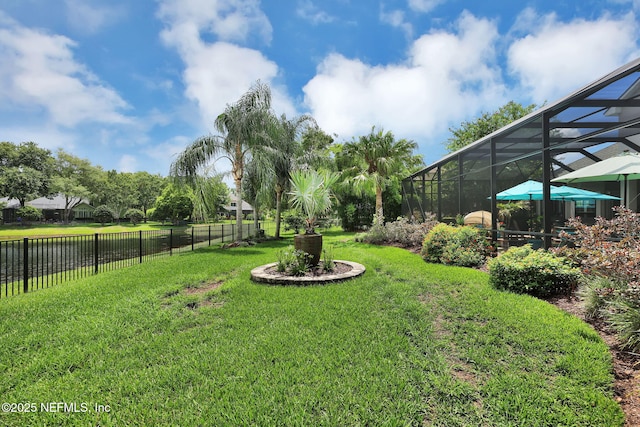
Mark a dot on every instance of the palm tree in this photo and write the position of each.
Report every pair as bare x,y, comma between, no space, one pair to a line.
378,157
283,154
256,187
242,126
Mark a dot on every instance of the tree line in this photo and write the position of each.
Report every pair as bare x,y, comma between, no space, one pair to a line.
28,171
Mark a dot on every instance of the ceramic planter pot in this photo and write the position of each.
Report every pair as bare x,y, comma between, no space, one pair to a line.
311,244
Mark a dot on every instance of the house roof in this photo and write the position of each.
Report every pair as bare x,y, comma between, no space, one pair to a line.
52,203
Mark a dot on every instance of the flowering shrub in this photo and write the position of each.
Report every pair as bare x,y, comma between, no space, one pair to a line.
609,252
609,248
402,232
462,246
538,273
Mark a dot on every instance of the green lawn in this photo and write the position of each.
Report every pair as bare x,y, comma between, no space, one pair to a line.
189,340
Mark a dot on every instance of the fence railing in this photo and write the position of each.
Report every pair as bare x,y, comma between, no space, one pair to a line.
30,264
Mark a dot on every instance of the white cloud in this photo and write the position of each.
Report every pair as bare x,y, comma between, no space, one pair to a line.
446,77
39,72
218,73
556,58
424,6
310,12
90,17
228,20
396,19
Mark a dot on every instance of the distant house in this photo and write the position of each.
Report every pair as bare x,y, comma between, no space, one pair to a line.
230,209
52,209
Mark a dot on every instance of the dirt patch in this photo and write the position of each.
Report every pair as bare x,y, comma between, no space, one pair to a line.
626,365
203,288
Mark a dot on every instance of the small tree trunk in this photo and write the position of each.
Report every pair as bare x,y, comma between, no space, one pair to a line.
379,214
278,212
238,210
255,218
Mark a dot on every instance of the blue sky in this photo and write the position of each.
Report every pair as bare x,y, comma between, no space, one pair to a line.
129,83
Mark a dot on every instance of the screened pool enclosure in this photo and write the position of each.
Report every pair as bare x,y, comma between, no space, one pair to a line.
599,121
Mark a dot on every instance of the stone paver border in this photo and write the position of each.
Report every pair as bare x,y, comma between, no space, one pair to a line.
259,274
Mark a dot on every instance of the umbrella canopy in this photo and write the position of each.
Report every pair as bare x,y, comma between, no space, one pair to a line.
482,218
619,168
532,190
611,169
571,193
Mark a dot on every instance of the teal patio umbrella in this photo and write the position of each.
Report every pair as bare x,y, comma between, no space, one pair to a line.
532,190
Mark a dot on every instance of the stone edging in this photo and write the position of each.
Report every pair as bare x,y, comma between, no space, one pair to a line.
259,274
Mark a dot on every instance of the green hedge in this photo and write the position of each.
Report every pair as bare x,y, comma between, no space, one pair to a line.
538,273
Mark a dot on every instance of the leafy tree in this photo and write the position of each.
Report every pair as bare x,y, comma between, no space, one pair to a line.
22,183
25,171
175,203
317,149
119,192
103,214
486,124
134,215
75,178
376,159
242,125
147,188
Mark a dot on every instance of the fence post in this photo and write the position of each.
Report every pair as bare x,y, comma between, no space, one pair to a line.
95,253
170,241
222,232
25,265
140,246
209,234
233,233
192,237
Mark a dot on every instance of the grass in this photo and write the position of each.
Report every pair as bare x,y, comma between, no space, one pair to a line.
190,340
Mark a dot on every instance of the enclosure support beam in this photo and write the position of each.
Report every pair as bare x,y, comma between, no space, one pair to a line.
546,181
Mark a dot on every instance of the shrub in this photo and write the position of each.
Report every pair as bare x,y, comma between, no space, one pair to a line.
538,273
293,261
410,233
29,214
103,214
402,232
134,215
609,248
328,263
462,246
293,221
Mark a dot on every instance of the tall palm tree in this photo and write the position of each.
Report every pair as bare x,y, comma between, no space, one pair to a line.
242,126
283,154
378,157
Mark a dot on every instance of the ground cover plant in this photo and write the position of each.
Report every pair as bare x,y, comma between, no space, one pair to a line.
190,340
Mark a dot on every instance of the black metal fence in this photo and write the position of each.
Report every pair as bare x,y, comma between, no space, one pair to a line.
30,264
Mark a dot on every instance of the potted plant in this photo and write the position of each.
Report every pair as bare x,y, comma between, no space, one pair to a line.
311,193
